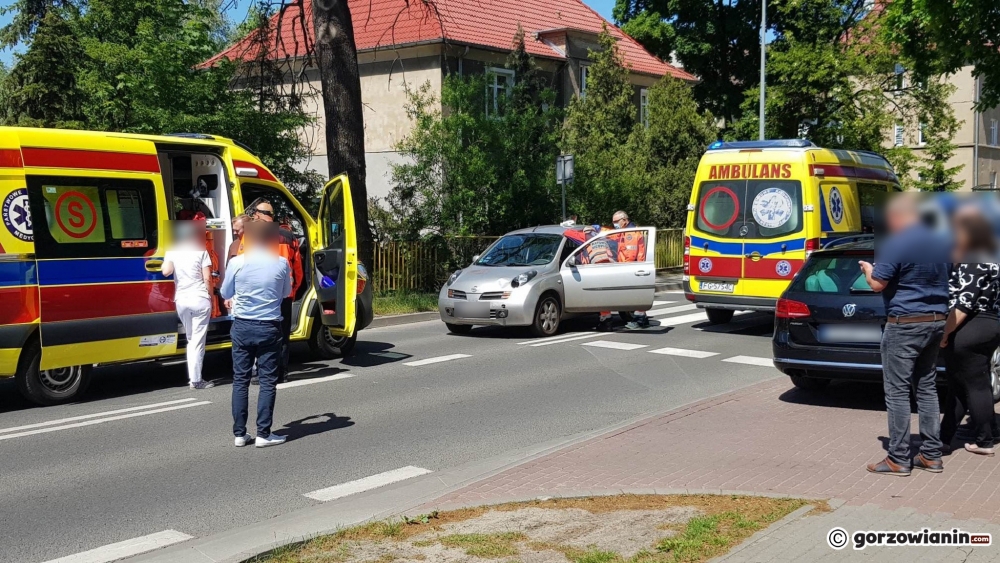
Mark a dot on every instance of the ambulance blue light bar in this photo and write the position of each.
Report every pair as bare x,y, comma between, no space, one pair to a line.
775,144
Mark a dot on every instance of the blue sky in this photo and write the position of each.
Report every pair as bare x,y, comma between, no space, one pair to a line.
237,14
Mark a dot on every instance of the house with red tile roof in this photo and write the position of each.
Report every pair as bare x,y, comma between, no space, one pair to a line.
403,44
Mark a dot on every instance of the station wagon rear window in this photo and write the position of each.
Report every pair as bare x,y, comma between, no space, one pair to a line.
834,275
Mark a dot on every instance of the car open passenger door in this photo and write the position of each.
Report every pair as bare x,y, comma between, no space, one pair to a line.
614,271
335,258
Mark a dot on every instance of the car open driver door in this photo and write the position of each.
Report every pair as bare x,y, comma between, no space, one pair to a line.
336,258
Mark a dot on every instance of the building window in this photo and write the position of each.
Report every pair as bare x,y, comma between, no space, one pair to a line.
921,140
898,135
498,85
900,77
583,81
644,107
994,140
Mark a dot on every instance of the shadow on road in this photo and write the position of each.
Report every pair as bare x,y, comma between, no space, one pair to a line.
839,394
753,324
312,425
368,354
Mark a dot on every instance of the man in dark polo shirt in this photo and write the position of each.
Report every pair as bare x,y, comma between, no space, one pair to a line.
911,272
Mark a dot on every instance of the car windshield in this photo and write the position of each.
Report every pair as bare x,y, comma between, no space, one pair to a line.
531,249
837,275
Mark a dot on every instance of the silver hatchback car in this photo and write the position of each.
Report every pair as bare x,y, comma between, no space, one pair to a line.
535,277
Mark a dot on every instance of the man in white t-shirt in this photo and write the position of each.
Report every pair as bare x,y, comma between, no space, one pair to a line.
191,266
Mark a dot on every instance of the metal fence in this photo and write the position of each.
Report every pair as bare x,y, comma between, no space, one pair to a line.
422,266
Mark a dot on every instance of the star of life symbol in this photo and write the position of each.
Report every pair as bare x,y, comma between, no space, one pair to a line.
705,265
836,205
16,215
783,268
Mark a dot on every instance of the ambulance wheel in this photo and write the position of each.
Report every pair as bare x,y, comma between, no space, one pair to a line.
329,347
547,315
51,386
719,316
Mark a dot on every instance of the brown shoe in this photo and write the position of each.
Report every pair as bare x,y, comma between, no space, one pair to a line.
932,465
889,467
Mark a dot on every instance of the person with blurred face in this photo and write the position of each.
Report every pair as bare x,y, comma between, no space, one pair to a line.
256,281
972,332
234,248
191,266
911,273
288,247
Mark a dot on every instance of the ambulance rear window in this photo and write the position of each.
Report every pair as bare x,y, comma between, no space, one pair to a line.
720,207
752,209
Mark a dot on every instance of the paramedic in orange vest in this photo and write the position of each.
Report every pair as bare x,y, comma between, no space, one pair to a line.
262,210
631,248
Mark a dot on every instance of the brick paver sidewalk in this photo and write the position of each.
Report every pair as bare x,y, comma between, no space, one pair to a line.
769,438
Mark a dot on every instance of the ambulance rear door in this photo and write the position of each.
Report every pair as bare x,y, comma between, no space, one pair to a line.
98,209
335,258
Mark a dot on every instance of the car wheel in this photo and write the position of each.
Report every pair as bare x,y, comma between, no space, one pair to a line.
327,346
547,315
809,383
719,316
626,316
458,329
50,386
995,374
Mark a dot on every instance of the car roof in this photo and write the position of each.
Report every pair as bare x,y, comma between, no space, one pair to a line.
546,229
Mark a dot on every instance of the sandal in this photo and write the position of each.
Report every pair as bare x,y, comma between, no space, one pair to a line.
973,448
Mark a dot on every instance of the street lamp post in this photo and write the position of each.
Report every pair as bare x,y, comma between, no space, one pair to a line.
763,61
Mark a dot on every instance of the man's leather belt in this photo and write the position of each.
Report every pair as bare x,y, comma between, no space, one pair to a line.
897,320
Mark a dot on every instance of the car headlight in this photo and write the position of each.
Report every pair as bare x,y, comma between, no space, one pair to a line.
524,278
454,277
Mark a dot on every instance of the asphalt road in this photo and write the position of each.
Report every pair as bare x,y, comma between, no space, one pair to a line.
168,463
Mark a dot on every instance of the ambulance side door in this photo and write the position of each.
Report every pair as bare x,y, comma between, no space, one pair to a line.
335,258
99,253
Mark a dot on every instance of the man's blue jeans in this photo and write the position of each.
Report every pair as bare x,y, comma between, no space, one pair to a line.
909,361
260,341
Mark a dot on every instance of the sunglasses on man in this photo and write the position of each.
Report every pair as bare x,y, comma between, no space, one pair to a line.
264,212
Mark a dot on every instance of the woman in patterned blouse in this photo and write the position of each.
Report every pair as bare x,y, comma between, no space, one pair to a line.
972,332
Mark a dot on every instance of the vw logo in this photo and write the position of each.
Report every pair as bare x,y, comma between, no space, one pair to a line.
849,310
705,265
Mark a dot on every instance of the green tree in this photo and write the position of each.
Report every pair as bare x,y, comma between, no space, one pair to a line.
42,90
27,15
622,163
939,127
942,36
716,40
477,168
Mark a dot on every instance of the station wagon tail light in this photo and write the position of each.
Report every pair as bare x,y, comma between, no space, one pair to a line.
812,245
687,256
788,309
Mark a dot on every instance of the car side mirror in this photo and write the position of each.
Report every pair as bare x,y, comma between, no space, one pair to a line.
475,259
571,261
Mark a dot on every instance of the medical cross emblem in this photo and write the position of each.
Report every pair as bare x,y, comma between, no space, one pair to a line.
836,205
16,215
783,268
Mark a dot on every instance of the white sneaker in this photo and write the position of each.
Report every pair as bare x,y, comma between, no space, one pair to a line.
272,440
242,440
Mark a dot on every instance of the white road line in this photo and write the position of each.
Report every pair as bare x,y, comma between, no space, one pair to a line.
301,382
700,354
437,360
367,484
678,309
95,415
684,319
614,345
127,548
661,303
550,338
100,420
563,340
751,360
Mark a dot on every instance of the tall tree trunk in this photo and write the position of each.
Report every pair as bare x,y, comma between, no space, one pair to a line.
337,56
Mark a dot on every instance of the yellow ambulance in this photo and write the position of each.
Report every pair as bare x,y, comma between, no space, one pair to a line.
83,226
759,208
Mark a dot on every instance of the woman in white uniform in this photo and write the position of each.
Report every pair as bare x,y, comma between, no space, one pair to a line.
191,266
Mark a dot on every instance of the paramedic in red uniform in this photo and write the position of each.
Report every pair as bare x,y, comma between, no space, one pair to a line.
289,248
631,248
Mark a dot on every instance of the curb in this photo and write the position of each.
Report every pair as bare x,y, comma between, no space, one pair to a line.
396,320
788,519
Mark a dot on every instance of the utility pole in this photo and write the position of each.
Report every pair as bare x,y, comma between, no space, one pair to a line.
763,61
564,175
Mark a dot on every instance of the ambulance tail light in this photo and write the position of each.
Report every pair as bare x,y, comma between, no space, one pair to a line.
361,284
788,309
687,256
812,245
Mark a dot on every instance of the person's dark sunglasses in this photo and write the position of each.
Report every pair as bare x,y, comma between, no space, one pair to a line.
265,212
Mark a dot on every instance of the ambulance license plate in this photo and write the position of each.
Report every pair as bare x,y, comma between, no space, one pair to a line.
717,287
